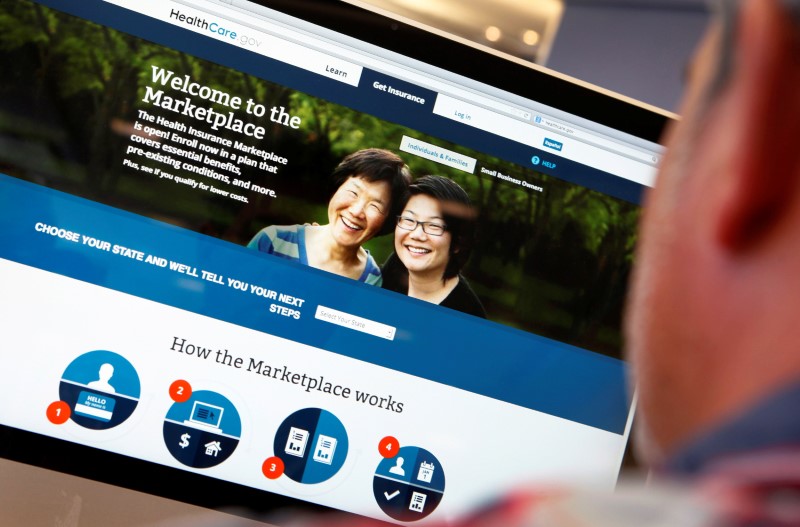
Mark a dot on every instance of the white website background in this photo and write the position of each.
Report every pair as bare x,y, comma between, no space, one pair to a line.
485,446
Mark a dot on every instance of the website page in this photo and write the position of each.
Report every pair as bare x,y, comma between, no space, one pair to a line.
212,260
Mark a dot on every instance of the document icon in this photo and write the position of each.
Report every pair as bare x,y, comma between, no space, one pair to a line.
296,443
418,502
326,446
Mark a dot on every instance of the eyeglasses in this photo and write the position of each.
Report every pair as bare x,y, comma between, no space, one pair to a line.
428,227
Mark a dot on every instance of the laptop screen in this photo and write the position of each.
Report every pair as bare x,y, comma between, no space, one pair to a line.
299,254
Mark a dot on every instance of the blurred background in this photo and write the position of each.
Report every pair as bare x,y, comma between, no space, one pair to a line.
639,48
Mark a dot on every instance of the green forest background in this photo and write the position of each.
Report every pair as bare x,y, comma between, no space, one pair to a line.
554,263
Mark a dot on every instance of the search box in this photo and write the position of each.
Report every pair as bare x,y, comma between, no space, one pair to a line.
346,320
593,139
230,32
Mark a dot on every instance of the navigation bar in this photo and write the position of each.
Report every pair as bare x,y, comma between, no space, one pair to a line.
406,91
421,75
255,20
230,32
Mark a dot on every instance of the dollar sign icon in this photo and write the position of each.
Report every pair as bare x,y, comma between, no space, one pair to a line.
184,440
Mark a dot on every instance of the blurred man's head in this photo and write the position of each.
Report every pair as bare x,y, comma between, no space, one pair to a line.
714,316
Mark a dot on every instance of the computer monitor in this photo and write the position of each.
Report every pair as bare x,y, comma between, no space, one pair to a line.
298,254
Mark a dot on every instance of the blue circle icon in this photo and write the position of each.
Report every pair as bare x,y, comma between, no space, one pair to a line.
101,388
312,443
410,485
203,431
535,160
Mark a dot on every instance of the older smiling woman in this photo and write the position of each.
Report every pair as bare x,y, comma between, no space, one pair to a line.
371,186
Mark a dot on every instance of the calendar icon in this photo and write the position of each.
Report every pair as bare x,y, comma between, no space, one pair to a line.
426,472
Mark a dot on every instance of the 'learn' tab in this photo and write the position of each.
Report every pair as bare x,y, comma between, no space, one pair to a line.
339,70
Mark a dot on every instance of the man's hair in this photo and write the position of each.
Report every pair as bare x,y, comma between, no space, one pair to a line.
458,216
375,164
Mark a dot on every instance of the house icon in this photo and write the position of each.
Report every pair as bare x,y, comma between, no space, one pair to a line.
213,448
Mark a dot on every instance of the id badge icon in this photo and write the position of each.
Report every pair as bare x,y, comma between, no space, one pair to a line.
94,406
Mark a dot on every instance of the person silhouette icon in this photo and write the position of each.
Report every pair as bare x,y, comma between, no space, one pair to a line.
105,373
398,468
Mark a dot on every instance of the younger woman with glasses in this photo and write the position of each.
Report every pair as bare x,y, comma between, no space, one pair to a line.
432,242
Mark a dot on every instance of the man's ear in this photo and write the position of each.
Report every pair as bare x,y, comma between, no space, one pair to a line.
765,96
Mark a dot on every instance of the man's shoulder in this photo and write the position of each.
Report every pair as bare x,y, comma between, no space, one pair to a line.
771,423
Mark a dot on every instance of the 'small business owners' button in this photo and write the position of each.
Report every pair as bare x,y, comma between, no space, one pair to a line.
555,145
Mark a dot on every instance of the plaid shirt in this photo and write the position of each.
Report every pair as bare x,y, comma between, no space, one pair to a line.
743,473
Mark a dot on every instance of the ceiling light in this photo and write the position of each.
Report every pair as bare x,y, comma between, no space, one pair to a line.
530,37
493,33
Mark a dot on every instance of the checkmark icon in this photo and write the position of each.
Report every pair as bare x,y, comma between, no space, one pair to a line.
392,495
